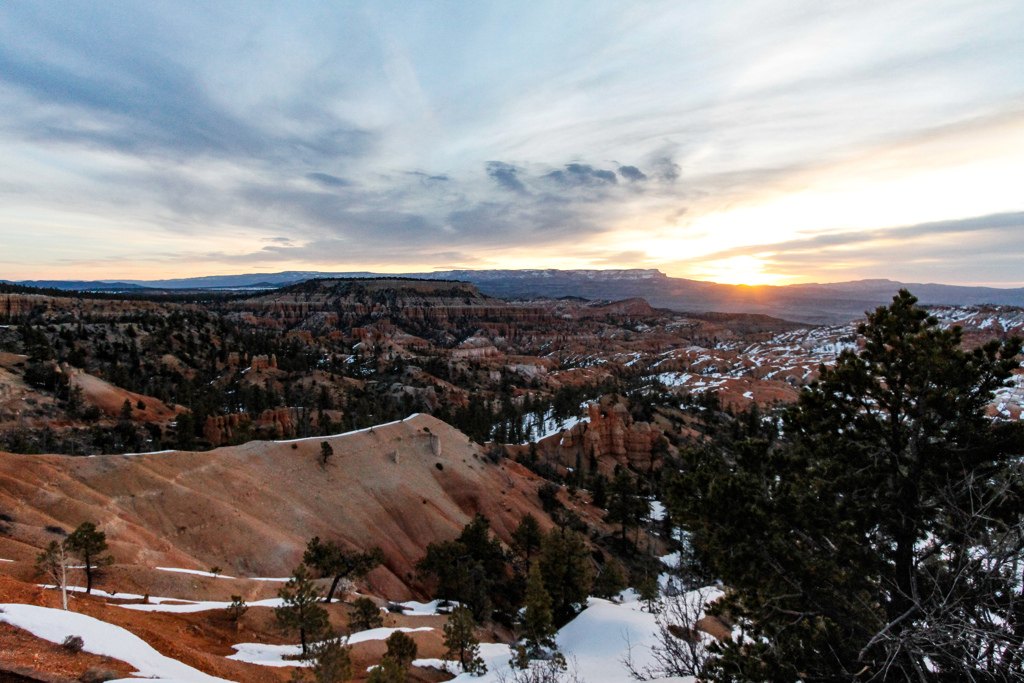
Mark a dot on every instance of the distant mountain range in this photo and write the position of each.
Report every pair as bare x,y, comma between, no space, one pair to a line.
809,303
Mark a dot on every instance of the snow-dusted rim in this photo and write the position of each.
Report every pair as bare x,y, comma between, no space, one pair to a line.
354,431
307,438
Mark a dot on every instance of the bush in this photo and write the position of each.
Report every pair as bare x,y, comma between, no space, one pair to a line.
73,644
96,675
548,494
237,608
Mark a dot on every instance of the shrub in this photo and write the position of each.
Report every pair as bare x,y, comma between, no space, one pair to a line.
73,644
96,675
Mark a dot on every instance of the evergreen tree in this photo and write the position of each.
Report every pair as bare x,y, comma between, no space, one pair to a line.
610,581
625,507
126,410
461,642
88,544
401,648
565,569
599,491
527,536
326,452
332,561
470,570
883,539
237,609
332,660
364,615
301,611
388,671
536,627
649,590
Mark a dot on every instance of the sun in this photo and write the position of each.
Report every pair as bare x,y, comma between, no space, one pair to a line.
738,270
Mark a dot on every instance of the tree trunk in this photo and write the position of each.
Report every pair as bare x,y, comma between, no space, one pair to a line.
64,579
334,585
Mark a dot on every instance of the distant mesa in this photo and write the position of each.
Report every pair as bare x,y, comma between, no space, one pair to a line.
808,303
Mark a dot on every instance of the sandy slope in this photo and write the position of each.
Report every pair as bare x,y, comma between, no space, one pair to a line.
250,509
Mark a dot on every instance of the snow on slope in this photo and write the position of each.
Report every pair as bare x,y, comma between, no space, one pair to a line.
102,638
596,641
273,655
195,572
200,606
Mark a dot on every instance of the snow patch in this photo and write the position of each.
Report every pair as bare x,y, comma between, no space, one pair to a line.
274,655
102,638
194,571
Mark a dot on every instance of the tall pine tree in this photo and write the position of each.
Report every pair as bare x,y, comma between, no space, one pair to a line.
883,539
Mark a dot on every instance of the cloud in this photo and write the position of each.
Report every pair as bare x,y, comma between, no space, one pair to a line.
666,170
506,175
632,173
582,175
328,180
130,129
981,249
1005,223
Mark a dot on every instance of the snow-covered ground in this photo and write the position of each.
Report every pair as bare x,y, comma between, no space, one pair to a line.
542,427
422,609
195,571
596,642
274,655
188,606
102,638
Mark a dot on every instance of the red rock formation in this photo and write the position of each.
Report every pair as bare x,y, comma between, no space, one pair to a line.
272,423
220,429
610,438
263,362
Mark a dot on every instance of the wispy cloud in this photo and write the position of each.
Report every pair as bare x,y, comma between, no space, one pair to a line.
373,133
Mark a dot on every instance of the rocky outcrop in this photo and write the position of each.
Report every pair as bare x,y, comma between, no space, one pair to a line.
263,362
611,438
272,423
16,306
220,429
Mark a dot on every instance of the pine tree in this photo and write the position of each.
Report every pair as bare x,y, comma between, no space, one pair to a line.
564,564
625,507
88,544
301,611
883,538
126,410
461,643
326,452
364,615
610,581
332,561
535,626
470,570
332,661
401,648
237,609
388,671
527,536
599,490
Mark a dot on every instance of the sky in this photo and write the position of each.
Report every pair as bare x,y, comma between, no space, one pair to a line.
762,142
